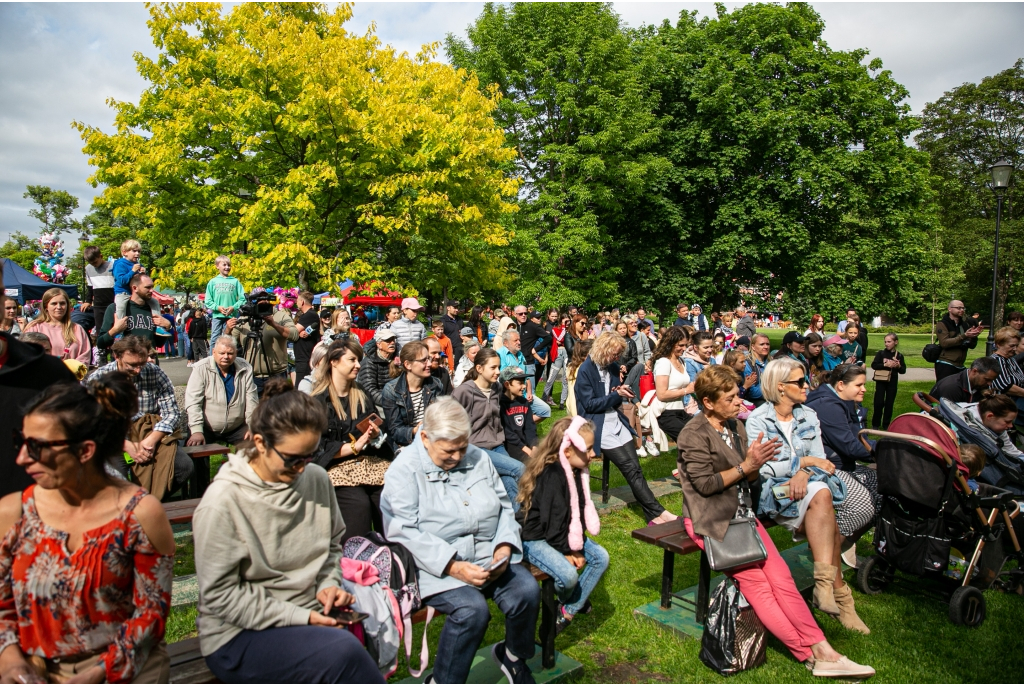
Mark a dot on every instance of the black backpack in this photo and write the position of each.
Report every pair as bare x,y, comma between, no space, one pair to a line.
931,353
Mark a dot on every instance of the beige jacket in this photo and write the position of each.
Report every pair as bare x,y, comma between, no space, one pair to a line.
206,402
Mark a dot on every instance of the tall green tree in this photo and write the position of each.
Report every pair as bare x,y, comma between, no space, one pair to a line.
54,208
311,154
581,119
789,175
964,132
20,249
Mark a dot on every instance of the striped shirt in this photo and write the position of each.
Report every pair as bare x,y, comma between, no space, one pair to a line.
1010,374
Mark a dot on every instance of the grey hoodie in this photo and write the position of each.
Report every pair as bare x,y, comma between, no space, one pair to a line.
263,550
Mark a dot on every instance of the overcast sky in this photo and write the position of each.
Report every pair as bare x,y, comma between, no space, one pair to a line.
61,62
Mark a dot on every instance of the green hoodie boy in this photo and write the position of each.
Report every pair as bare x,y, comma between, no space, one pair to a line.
224,293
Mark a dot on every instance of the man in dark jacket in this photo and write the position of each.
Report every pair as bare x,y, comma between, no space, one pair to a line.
375,369
438,370
452,326
536,346
955,336
25,371
969,384
683,317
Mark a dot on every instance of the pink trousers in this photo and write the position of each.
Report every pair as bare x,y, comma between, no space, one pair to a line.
770,589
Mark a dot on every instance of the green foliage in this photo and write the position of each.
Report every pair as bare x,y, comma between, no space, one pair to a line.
965,131
20,249
581,119
54,208
311,154
789,171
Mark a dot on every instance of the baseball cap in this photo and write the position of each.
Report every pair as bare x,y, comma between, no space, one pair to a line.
510,373
466,330
793,337
451,303
742,340
835,340
535,314
325,313
411,303
384,334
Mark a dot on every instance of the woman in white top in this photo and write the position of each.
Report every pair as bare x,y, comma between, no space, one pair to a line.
671,382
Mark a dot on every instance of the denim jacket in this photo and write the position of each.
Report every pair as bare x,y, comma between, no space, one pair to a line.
461,514
806,439
752,365
771,507
398,412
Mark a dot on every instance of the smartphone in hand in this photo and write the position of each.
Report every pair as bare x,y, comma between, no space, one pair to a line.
346,616
364,425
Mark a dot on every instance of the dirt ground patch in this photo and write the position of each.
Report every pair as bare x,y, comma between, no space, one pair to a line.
629,672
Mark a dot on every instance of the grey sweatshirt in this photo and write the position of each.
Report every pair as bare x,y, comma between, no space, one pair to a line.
263,551
486,430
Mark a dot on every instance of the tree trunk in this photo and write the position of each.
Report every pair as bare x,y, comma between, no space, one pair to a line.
303,283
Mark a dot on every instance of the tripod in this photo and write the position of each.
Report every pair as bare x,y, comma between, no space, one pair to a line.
256,351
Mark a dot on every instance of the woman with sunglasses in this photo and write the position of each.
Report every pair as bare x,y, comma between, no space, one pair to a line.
78,528
799,488
268,551
408,394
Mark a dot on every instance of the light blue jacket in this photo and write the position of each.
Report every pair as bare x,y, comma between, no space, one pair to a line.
439,515
806,439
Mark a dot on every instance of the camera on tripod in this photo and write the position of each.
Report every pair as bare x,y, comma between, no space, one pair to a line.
258,305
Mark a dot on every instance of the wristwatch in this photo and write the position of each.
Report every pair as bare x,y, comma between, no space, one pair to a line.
739,467
807,470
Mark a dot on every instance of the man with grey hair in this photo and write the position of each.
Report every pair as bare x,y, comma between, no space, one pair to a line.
955,336
511,354
745,325
220,397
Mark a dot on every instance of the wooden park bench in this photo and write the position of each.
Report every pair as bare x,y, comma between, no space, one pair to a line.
672,538
201,460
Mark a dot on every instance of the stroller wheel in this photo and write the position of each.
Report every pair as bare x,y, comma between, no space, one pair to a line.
873,575
967,607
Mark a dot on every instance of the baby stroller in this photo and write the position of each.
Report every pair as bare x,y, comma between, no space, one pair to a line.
929,513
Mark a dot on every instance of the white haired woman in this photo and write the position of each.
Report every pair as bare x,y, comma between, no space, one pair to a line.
444,501
815,490
599,394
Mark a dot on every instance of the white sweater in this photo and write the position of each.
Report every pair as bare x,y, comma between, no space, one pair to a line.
263,550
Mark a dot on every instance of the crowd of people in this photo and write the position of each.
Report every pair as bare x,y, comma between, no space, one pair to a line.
426,436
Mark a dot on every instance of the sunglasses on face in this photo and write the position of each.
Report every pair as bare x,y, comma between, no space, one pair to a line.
799,382
35,447
292,461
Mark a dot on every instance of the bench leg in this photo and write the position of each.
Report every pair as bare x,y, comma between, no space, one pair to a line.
202,475
548,614
703,589
605,474
667,572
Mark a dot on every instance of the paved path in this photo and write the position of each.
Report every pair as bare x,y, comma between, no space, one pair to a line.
919,375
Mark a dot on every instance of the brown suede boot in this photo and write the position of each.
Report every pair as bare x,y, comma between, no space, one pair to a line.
848,612
824,577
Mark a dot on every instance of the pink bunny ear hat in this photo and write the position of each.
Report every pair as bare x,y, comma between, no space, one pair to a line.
572,437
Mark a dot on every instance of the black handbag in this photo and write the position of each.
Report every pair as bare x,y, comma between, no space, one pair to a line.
742,545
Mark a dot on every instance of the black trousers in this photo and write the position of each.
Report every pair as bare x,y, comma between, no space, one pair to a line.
626,459
360,507
943,370
672,422
301,370
885,397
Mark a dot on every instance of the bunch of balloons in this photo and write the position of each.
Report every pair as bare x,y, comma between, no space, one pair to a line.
48,264
287,296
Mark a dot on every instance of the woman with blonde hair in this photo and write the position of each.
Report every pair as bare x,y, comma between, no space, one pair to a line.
68,340
599,394
355,460
556,514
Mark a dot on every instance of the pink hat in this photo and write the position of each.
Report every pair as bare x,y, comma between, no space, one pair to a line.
835,340
411,303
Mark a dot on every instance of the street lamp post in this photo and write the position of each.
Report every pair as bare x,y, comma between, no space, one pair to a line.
1000,182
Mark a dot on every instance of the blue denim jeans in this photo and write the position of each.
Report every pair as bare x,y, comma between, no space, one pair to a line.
539,407
517,595
509,469
573,588
217,329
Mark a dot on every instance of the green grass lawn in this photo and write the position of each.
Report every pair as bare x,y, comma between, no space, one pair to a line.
911,640
911,345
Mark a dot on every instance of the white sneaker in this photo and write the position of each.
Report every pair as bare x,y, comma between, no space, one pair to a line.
849,553
843,668
651,448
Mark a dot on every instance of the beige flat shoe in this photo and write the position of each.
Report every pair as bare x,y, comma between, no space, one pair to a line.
849,554
843,668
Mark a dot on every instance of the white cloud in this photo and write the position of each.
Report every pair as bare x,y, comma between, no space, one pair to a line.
60,62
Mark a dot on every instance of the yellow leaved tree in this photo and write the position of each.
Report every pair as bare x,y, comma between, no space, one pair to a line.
309,153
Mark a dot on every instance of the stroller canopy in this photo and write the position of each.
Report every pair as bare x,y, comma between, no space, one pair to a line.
913,466
929,428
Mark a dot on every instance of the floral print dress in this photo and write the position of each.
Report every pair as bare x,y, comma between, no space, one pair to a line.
110,596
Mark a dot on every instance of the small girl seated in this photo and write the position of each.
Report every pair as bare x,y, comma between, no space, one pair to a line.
973,457
555,505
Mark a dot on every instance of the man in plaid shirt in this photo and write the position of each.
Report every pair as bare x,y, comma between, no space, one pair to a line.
156,396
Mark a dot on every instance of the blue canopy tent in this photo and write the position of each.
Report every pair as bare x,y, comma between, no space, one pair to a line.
22,284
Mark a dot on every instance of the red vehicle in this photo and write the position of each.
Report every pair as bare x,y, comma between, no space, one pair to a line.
377,305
